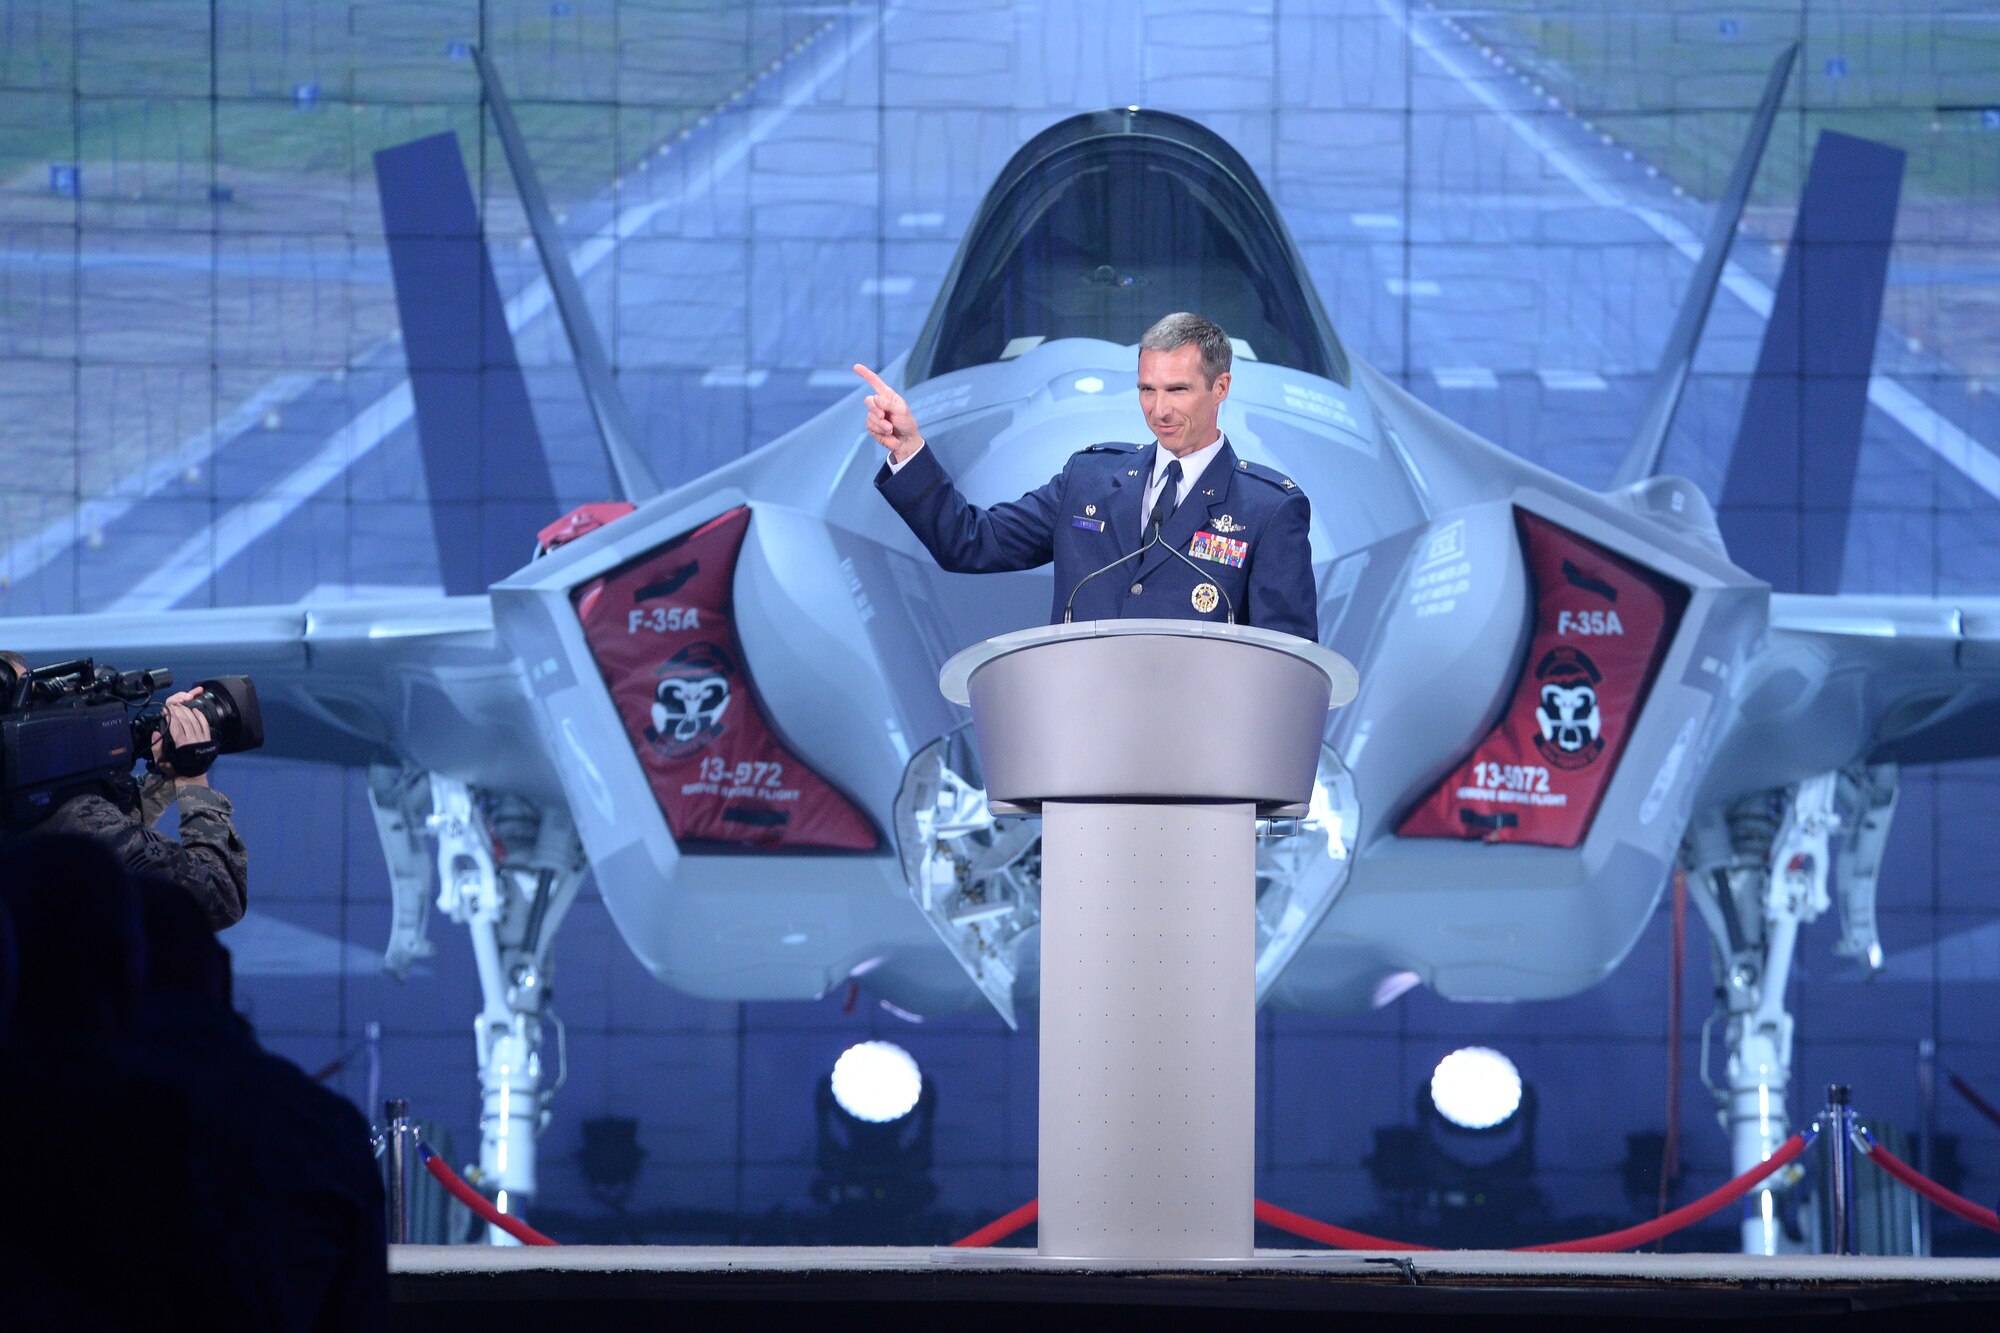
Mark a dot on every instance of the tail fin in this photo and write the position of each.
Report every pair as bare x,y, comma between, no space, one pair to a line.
483,459
607,405
1786,499
1643,457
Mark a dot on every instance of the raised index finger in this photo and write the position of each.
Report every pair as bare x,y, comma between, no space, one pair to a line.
875,381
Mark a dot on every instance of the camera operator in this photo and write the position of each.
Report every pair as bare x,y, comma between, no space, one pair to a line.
209,860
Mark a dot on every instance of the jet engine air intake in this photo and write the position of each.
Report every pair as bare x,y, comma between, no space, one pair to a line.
1602,626
662,630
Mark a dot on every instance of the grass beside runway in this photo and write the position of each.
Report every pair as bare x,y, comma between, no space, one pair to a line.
1675,83
315,87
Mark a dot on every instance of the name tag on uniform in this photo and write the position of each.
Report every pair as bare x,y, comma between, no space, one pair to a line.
1088,524
1222,550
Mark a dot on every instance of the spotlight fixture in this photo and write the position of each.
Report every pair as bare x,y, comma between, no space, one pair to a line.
874,1113
1476,1087
876,1081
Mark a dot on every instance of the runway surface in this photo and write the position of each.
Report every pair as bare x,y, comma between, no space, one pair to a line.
1513,267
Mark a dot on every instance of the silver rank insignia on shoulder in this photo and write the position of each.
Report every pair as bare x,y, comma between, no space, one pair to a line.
1204,597
1090,511
1226,524
1133,473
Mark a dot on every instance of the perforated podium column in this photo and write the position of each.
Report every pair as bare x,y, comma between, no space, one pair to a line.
1148,1003
1149,1026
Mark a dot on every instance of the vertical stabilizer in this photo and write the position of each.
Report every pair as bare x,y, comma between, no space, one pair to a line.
600,388
489,482
1789,489
1664,398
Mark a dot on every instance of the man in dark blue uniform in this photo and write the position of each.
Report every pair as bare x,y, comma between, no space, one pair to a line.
1222,536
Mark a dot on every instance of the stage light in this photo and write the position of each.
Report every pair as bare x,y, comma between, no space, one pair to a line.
1476,1087
876,1081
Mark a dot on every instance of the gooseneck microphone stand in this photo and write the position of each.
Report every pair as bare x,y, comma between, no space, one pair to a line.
1153,526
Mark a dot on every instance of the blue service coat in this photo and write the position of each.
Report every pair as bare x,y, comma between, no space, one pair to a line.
1243,526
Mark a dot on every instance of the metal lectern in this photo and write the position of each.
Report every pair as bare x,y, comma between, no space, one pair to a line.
1150,748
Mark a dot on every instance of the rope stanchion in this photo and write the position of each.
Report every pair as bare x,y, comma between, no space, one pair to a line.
476,1201
1339,1238
1001,1227
1910,1177
1684,1216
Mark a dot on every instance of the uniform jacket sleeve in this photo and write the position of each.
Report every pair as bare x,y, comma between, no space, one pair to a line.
961,536
1282,595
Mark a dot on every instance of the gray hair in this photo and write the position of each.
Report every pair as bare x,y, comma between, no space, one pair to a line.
1181,328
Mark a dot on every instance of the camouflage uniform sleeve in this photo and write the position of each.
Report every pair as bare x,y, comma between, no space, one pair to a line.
156,793
210,860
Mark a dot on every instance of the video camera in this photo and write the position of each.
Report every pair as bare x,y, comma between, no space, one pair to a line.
76,727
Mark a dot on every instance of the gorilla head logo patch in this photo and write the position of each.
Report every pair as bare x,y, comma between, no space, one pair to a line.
690,698
1570,727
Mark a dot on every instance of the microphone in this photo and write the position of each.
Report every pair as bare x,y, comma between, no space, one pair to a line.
1161,508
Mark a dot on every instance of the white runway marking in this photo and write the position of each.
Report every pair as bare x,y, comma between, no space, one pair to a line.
1465,377
1376,221
1572,381
839,377
195,561
1414,287
920,221
1933,430
734,377
26,557
891,285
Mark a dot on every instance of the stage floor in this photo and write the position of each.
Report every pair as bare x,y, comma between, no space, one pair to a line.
440,1287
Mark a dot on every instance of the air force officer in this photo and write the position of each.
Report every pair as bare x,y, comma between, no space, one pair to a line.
1220,532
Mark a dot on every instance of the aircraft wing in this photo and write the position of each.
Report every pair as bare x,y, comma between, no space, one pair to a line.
424,682
1914,679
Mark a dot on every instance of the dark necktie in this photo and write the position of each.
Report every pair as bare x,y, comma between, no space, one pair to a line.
1163,508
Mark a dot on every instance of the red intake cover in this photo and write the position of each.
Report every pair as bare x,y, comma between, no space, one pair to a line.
1602,624
663,631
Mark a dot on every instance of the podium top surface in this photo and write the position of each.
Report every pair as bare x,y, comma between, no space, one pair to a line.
1342,679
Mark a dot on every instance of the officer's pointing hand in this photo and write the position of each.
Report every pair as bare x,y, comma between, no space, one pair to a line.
889,419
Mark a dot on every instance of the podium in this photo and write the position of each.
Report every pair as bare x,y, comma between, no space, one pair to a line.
1149,747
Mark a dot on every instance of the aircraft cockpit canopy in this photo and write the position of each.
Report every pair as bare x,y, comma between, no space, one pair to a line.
1106,222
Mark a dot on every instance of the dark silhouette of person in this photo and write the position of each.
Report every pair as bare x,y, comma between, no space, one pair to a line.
105,1224
296,1184
10,974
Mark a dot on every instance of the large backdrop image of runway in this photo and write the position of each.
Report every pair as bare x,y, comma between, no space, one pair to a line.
474,377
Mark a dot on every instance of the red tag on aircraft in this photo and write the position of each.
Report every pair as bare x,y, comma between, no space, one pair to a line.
663,631
1602,625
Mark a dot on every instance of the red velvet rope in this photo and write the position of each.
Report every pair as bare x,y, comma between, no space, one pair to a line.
1930,1189
1002,1227
1686,1215
1341,1238
478,1202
